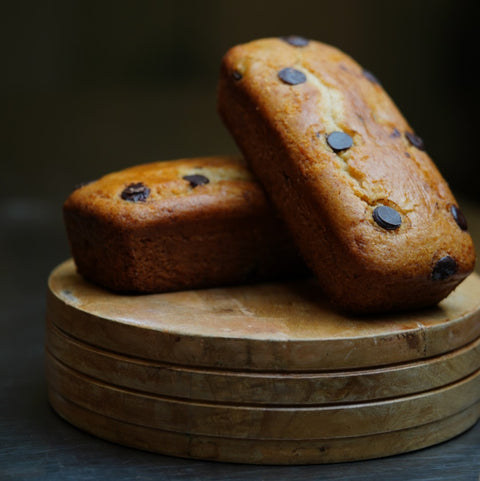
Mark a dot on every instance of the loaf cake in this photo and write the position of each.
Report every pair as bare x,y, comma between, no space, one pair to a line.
367,207
175,225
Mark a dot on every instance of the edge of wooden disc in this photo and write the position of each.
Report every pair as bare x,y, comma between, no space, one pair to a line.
266,452
278,327
269,388
262,422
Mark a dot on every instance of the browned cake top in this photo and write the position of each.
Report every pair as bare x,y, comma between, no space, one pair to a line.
170,190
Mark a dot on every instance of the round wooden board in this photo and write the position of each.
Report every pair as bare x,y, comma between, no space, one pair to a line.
281,327
264,451
254,387
292,422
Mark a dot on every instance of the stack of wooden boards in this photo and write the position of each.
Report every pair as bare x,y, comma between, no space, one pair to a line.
265,374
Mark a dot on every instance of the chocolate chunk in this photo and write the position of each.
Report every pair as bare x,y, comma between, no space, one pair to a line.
395,133
295,40
444,268
369,76
415,140
387,217
135,192
459,217
196,180
292,76
339,141
237,75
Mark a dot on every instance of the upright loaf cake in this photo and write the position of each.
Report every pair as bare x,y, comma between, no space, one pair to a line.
369,210
175,225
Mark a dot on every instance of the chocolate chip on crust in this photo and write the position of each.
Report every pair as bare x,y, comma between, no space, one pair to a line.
387,218
369,76
295,40
395,133
460,219
196,180
135,192
237,75
292,76
415,140
444,268
339,141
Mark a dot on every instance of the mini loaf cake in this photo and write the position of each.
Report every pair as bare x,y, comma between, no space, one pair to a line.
367,207
177,225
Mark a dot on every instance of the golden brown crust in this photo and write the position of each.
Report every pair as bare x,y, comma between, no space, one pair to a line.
181,234
328,197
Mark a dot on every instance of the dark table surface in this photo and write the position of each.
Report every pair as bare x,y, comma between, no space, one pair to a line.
35,444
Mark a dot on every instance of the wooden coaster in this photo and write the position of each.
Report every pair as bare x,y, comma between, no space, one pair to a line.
263,422
269,388
282,327
264,451
266,373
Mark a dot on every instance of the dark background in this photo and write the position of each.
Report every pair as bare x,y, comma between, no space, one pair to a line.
90,87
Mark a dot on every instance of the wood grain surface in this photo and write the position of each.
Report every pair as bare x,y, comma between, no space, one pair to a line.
281,452
262,422
268,327
269,388
266,374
